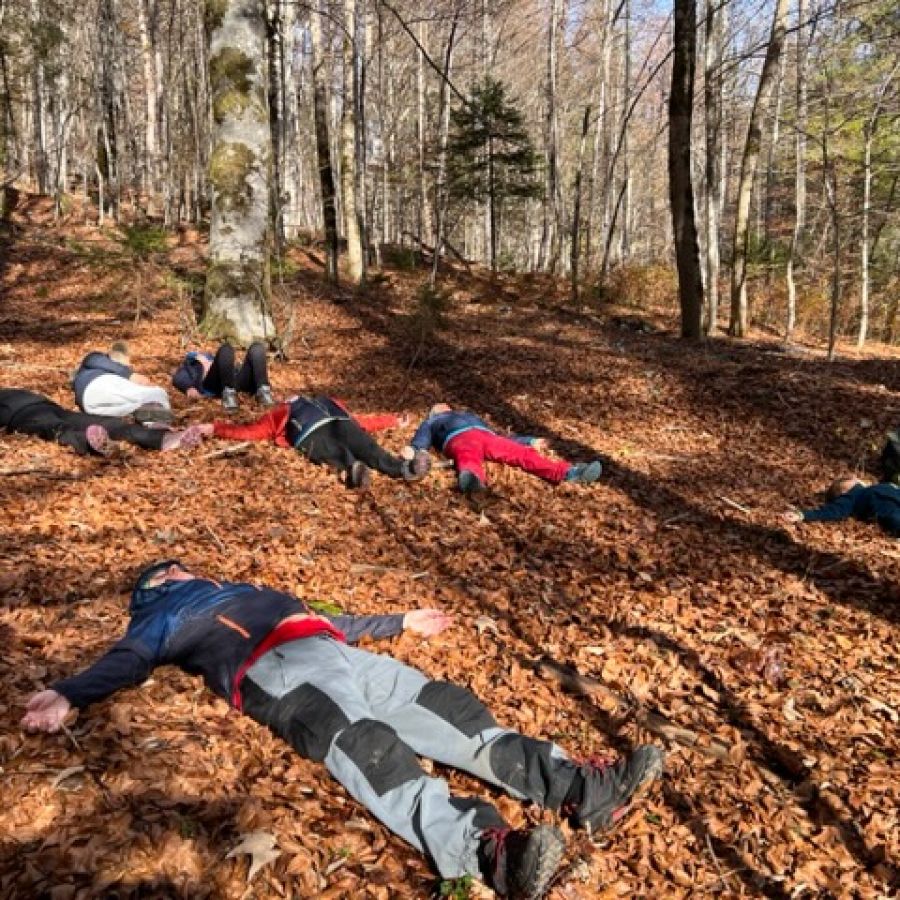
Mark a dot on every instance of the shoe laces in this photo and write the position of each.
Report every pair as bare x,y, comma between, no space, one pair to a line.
595,764
494,842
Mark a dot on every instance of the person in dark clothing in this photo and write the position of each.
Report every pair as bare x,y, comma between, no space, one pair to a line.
203,375
850,497
26,412
324,431
890,458
468,440
366,716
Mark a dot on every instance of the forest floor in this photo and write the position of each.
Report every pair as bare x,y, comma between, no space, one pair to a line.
674,583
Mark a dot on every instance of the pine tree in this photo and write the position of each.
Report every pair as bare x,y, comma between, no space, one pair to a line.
490,158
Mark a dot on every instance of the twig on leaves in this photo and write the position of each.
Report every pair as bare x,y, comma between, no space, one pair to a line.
734,503
215,538
235,450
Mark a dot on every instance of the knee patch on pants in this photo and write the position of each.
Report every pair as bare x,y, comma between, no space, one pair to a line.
456,705
376,750
307,718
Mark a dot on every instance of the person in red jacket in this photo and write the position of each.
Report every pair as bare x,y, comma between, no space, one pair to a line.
324,431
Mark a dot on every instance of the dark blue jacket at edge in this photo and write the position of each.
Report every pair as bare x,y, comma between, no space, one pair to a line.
877,503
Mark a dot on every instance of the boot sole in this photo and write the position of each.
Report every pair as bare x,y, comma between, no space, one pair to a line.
548,852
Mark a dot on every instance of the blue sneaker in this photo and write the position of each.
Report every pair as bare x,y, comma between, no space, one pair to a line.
585,473
469,483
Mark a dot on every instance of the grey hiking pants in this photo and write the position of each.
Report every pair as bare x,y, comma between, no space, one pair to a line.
368,716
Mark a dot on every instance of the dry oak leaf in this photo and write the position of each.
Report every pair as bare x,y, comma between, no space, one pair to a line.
260,846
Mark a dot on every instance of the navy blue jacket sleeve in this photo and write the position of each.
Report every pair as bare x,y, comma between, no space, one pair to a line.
834,511
356,627
125,665
100,362
423,437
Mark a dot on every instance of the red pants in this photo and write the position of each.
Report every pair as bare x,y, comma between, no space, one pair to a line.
470,449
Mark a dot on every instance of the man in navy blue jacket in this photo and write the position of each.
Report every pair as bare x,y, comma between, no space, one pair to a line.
850,497
469,441
366,715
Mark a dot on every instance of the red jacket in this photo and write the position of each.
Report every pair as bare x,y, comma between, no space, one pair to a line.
271,426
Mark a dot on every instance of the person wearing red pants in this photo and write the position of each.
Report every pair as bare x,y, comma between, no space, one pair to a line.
468,440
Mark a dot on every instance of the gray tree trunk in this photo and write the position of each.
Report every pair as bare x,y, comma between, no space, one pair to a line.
238,281
349,159
749,162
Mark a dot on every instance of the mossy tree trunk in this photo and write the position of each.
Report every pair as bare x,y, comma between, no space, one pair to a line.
238,281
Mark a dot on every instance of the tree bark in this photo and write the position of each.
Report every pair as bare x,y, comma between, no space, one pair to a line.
681,192
749,162
238,281
323,147
349,158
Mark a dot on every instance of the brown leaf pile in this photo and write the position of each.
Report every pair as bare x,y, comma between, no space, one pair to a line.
673,582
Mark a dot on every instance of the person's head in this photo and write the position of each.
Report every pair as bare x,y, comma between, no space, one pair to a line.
439,408
841,485
153,581
119,352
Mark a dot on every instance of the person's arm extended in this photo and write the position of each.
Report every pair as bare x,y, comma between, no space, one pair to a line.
833,511
423,437
121,667
426,622
265,428
377,421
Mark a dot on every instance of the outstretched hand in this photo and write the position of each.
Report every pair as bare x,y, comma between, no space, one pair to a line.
792,515
45,711
427,622
206,429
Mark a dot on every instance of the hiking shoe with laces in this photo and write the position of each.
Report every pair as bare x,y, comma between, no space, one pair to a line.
229,400
608,789
417,467
359,476
585,473
469,483
264,396
521,863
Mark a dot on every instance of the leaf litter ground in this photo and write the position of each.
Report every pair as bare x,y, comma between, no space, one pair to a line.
673,583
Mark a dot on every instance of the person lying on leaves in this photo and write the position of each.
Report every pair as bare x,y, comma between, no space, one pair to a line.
324,431
468,440
367,716
204,375
850,497
26,412
107,385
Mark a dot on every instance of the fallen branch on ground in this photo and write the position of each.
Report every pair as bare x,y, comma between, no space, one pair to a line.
573,681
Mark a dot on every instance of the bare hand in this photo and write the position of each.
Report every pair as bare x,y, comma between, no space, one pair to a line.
792,515
407,453
540,444
427,622
193,393
403,420
207,429
45,711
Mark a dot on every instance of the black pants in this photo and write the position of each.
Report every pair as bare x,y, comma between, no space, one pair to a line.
28,413
342,442
251,376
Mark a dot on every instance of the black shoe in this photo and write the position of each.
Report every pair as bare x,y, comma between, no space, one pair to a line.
264,396
417,467
153,413
520,863
608,790
469,483
359,476
229,400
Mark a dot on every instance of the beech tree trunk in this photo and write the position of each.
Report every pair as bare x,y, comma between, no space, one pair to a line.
238,280
749,162
681,191
349,158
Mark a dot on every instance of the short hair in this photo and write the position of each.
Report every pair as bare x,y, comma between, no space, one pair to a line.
840,486
148,573
119,351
